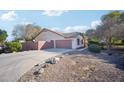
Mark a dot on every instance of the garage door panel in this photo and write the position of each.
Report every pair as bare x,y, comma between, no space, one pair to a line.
63,43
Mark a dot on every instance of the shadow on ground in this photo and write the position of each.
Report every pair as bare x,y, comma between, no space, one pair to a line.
116,57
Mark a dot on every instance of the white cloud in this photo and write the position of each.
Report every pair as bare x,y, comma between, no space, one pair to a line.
94,24
54,12
55,29
71,29
76,29
26,23
10,16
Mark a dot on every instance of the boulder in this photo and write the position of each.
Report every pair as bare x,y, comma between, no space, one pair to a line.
53,60
44,65
36,73
37,65
41,70
49,61
57,59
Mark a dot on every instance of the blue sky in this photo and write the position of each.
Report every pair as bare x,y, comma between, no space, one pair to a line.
59,20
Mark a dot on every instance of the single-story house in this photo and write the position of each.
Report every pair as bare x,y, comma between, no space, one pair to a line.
52,39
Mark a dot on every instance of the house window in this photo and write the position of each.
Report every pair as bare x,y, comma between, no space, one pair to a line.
78,41
82,41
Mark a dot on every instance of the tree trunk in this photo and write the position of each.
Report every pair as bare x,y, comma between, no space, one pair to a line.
109,43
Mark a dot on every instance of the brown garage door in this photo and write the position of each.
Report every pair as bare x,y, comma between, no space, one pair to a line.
63,43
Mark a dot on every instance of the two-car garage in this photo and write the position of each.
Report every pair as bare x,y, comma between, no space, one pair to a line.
63,43
56,44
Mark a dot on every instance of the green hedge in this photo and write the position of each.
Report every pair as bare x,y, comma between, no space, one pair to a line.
14,46
94,48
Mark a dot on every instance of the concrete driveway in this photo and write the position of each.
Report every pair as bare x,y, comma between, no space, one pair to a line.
14,65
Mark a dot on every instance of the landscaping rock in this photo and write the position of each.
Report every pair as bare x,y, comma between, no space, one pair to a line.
50,61
44,65
36,73
41,70
56,59
53,60
61,56
37,65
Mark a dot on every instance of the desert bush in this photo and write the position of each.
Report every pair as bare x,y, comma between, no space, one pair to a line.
94,48
14,46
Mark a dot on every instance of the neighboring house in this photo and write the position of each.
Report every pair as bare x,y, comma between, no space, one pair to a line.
51,39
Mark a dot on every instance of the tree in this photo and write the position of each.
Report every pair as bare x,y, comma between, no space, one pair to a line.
111,18
3,36
107,28
26,32
119,31
122,17
18,32
111,27
120,27
90,33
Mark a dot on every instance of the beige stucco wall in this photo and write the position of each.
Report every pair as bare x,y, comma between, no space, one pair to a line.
74,42
47,36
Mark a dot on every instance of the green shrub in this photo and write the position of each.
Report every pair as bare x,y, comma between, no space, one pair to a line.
101,44
94,48
122,41
93,42
14,46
